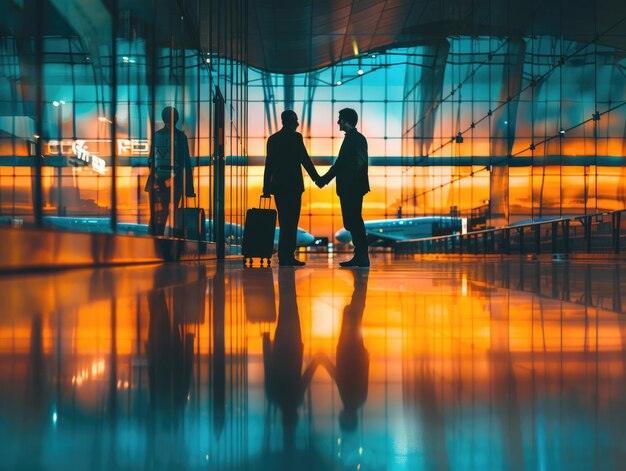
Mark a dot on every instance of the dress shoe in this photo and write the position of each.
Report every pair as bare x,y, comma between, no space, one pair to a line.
354,262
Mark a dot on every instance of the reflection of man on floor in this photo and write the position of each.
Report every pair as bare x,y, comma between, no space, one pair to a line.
170,353
351,372
170,357
285,383
31,434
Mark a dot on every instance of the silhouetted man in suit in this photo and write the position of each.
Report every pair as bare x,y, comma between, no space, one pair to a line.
350,168
283,179
163,166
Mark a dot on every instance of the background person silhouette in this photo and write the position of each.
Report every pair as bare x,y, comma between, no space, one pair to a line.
169,160
283,179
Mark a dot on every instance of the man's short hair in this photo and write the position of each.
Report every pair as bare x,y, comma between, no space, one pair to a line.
288,117
168,113
349,115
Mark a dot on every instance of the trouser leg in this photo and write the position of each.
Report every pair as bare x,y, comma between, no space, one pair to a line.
351,208
288,207
159,210
178,221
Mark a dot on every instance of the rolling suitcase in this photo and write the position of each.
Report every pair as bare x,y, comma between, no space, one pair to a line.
258,233
189,224
258,295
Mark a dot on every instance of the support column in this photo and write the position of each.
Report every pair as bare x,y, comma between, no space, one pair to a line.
430,94
269,103
307,109
288,89
218,174
621,182
503,127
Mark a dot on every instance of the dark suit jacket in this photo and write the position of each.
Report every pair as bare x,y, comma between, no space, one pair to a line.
350,168
285,154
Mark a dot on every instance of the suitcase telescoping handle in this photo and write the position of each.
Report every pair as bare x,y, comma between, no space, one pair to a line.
267,199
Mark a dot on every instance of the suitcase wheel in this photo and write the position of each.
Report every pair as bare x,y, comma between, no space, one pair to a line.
262,261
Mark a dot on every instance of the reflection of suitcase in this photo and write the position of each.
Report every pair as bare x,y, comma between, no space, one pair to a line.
189,302
258,295
258,233
189,224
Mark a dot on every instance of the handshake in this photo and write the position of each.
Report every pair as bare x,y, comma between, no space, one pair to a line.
322,181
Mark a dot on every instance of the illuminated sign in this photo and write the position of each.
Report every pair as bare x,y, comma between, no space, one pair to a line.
86,151
125,147
79,150
133,147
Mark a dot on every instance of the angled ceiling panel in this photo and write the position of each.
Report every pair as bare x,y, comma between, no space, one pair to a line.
327,31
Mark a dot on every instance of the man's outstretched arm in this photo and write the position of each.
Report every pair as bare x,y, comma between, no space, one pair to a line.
307,163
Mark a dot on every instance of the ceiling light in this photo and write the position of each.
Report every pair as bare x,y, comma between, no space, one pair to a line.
562,132
360,72
459,138
339,82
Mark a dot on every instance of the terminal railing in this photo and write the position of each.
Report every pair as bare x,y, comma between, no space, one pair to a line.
597,233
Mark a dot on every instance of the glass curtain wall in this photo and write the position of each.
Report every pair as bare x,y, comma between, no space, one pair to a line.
82,92
376,93
514,130
489,128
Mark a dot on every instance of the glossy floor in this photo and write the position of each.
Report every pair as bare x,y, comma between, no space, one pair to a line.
409,365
